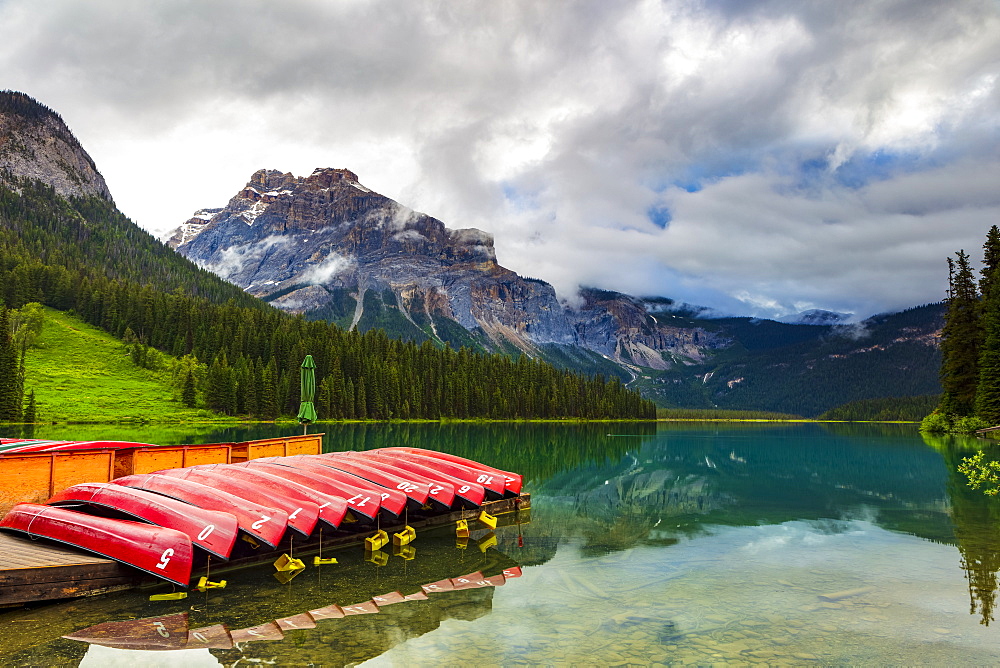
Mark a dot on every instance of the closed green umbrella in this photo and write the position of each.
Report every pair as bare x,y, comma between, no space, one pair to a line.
307,377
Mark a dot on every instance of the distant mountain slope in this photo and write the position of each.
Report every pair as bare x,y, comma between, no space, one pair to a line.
55,209
808,369
35,143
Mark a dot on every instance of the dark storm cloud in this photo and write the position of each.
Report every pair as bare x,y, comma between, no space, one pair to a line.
797,154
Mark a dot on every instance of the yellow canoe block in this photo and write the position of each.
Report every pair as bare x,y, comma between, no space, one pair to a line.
462,529
287,563
404,537
322,562
204,584
487,519
377,542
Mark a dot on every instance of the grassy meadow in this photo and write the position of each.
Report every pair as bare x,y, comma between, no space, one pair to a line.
82,374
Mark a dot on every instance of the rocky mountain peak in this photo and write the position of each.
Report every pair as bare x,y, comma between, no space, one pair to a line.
35,143
327,177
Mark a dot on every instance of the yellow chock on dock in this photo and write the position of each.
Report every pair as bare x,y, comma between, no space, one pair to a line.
487,541
487,519
377,542
204,584
462,529
406,552
175,596
286,563
404,537
323,562
249,540
378,557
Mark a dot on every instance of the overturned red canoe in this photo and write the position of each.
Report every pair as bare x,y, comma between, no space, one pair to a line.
211,530
362,504
417,492
393,500
165,553
470,492
492,482
263,522
62,446
512,481
440,492
332,508
302,515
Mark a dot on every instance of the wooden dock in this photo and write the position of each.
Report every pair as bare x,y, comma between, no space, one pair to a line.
44,571
37,570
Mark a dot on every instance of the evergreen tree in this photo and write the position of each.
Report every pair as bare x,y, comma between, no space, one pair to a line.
188,396
991,261
10,372
960,340
219,392
988,386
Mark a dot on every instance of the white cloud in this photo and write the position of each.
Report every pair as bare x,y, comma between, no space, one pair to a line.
333,265
842,150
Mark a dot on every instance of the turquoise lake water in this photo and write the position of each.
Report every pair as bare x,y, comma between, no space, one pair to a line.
682,543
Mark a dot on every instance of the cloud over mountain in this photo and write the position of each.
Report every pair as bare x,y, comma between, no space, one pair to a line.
763,158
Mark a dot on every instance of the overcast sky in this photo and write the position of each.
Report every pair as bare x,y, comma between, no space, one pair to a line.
758,157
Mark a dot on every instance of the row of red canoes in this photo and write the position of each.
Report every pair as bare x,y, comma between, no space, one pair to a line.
173,514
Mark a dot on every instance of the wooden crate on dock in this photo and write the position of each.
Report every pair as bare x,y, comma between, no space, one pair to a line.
34,477
308,444
159,457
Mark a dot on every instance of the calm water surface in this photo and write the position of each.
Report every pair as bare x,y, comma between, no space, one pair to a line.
670,544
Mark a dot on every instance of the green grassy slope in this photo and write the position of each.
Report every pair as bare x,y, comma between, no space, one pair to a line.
82,374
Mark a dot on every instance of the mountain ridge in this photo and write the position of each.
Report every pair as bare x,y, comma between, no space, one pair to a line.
328,247
302,243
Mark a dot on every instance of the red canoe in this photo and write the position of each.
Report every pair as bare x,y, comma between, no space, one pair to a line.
363,505
332,508
471,492
211,530
263,522
512,481
393,500
159,551
440,493
60,446
302,515
416,492
493,483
